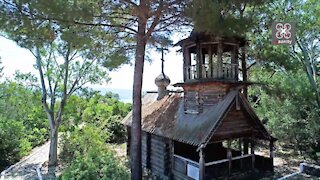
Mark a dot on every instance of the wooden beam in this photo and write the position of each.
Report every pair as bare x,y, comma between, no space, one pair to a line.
201,164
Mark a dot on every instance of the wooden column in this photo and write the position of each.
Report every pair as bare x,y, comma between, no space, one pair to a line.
172,159
148,150
234,60
245,146
252,152
210,73
201,164
199,61
220,52
186,63
241,152
229,155
129,140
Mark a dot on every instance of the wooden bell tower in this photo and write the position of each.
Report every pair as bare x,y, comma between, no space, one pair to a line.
210,69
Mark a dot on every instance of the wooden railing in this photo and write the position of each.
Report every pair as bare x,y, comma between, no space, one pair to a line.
211,71
182,165
225,167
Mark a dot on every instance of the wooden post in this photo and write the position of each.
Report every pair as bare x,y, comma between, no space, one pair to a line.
252,152
234,60
245,146
210,73
241,152
129,140
201,164
172,159
229,156
220,52
199,61
148,150
186,63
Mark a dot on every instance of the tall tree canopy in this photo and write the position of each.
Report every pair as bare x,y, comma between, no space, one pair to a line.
127,26
232,17
67,57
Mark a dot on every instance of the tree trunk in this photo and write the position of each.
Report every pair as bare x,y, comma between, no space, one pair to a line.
53,152
135,151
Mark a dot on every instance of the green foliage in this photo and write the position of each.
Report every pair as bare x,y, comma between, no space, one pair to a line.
14,144
304,55
22,122
90,157
103,111
81,140
96,165
287,106
23,105
232,17
1,69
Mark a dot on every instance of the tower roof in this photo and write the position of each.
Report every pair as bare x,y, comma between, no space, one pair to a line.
205,37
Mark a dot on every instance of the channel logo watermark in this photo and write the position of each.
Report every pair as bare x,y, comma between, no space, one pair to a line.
283,33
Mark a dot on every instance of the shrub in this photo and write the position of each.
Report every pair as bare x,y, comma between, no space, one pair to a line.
13,142
85,148
96,164
81,140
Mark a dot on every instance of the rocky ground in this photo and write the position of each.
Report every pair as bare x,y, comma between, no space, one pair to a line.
26,168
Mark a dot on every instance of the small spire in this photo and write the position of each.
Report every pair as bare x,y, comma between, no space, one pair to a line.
162,81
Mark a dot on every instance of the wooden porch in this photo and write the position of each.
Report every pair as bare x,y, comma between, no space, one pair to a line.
210,165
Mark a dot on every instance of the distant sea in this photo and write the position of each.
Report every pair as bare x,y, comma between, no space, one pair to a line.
125,95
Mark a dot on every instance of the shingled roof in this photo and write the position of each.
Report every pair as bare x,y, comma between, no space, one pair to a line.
167,118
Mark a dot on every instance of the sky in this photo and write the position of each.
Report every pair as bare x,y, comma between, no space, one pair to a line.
15,58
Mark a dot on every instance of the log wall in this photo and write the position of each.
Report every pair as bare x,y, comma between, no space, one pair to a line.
156,155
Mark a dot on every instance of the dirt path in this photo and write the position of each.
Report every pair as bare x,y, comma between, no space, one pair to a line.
25,169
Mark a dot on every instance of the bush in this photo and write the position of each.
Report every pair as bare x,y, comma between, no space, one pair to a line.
89,156
96,164
116,130
81,140
14,144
